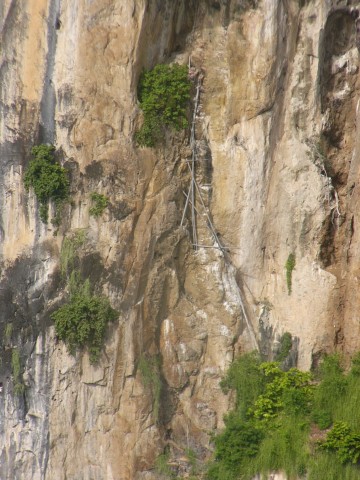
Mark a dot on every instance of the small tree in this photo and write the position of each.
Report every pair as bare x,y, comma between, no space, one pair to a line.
163,94
47,178
83,320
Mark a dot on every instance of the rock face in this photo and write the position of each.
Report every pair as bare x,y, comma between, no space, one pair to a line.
277,172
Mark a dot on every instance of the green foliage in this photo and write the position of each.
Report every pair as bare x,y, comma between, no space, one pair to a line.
15,364
149,368
47,178
82,322
283,448
326,466
289,267
355,367
344,442
19,387
269,429
163,94
69,251
8,332
191,455
162,465
100,202
245,377
322,418
285,347
330,391
288,391
239,442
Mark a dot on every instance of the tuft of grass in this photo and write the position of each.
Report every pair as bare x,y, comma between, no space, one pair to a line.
283,449
325,466
289,267
8,332
330,392
246,379
69,251
149,368
19,387
162,465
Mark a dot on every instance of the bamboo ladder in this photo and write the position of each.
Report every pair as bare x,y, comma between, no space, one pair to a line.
194,189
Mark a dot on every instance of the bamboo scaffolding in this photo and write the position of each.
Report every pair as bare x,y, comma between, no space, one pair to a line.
187,195
194,187
195,192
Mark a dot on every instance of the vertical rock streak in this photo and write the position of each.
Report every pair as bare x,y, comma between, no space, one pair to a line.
48,100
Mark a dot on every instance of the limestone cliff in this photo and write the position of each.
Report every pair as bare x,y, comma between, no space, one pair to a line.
278,167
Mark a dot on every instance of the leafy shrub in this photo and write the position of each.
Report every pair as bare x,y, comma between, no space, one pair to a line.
47,178
239,442
289,266
343,442
100,202
288,391
163,94
83,320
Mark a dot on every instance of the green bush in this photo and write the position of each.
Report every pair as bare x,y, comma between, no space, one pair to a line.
100,202
288,392
237,444
344,442
163,94
322,418
289,267
47,178
82,322
270,426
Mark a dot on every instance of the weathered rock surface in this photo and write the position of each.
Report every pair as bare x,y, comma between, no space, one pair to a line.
278,168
